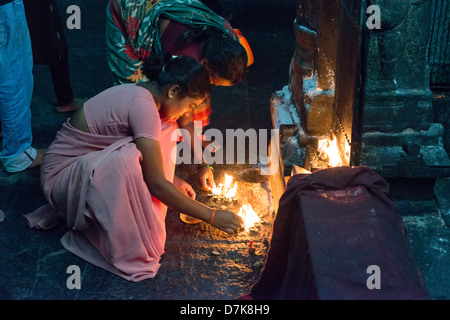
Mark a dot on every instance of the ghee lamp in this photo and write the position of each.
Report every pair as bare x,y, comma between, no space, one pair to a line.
249,216
224,191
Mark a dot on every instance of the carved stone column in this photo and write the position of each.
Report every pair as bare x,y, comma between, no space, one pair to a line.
312,74
400,138
385,81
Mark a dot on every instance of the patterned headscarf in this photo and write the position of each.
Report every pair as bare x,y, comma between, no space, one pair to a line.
133,31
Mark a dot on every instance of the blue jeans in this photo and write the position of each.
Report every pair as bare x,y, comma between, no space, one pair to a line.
16,88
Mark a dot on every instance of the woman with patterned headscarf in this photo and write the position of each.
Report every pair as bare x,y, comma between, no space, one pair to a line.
136,28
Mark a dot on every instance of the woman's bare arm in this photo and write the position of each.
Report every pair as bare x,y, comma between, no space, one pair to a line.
166,192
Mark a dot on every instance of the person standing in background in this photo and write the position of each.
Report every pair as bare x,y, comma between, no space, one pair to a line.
16,89
50,48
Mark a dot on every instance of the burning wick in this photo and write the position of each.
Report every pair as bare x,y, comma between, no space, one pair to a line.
225,190
249,216
329,149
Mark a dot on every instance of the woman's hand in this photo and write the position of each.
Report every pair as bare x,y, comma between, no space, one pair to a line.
227,221
206,178
184,187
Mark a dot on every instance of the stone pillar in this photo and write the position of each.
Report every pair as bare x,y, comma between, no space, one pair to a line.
400,138
312,74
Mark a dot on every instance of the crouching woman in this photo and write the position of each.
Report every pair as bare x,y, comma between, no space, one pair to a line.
109,173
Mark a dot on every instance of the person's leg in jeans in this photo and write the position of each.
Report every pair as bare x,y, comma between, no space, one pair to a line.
16,88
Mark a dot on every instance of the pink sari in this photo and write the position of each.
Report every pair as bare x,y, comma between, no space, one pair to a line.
95,184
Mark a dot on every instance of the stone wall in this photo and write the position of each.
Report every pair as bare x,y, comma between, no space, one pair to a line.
398,109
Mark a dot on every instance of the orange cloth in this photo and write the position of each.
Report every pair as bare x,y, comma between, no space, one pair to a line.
244,43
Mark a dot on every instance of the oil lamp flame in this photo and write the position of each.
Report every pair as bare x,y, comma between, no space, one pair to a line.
228,180
329,149
231,191
217,190
249,216
224,189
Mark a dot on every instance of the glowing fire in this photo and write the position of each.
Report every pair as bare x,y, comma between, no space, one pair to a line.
217,190
225,189
231,191
328,149
249,216
228,191
228,180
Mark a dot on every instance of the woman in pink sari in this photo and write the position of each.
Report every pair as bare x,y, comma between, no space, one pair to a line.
109,173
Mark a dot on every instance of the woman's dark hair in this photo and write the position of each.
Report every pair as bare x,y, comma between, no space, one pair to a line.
226,57
184,71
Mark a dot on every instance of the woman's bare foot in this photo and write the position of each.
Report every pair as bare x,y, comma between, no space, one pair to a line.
74,105
38,160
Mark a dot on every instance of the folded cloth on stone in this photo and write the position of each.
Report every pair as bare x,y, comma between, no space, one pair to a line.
332,227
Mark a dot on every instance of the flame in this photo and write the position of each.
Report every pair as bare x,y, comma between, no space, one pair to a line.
329,149
249,216
228,180
246,212
225,189
217,190
231,191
